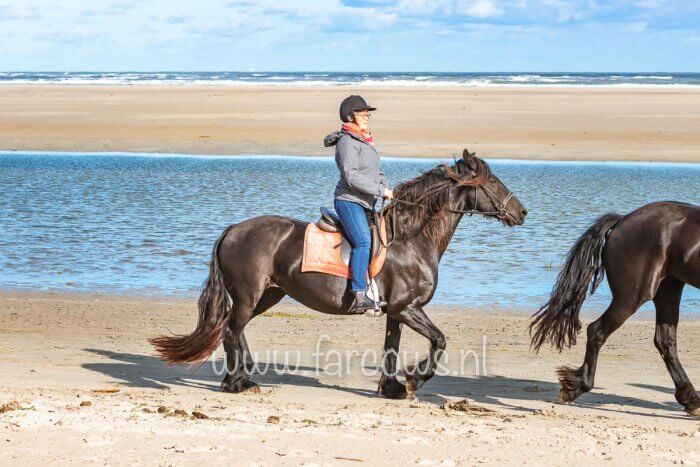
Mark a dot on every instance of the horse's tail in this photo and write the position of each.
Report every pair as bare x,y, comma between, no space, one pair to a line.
557,322
213,317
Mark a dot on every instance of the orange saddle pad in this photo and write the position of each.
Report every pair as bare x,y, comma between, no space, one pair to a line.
324,252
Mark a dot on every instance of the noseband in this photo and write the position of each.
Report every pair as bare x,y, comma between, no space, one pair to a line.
500,206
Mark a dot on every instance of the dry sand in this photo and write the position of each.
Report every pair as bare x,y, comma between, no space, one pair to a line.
659,124
56,349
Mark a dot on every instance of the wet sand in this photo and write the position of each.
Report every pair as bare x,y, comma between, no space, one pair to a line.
57,349
640,124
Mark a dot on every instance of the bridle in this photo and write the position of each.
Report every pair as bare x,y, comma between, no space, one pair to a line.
500,213
499,205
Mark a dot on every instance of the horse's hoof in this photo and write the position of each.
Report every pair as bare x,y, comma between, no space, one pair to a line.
393,390
252,388
228,388
564,396
694,412
247,386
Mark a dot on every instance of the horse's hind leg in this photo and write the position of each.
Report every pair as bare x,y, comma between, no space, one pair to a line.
247,356
389,386
576,381
239,362
667,303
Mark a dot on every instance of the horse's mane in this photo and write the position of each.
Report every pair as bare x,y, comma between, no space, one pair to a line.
428,195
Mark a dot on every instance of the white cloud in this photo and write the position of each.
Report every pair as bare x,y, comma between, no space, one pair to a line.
482,9
45,31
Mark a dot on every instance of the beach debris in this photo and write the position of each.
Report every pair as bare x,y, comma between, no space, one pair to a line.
466,406
180,413
12,405
85,404
199,415
273,419
351,459
147,410
106,390
162,409
548,412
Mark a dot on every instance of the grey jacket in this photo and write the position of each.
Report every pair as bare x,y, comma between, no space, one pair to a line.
361,178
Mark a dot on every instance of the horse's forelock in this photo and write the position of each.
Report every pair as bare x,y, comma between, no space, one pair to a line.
474,172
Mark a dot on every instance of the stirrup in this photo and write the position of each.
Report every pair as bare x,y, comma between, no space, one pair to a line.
369,306
375,312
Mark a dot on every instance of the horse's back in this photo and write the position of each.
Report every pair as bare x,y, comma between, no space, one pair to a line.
262,229
655,220
657,239
251,246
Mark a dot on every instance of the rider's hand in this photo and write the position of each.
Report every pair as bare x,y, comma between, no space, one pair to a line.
388,193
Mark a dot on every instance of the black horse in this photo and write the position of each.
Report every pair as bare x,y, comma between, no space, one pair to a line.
649,254
258,261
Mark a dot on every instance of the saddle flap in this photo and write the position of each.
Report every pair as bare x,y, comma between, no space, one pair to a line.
329,252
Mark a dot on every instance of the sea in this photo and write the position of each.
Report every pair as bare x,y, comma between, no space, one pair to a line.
145,224
229,78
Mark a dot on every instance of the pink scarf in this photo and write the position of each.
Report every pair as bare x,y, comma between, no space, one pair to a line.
356,130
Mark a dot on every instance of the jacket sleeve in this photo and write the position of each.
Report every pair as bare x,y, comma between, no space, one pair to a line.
347,157
383,181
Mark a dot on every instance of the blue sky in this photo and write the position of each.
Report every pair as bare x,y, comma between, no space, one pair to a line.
350,35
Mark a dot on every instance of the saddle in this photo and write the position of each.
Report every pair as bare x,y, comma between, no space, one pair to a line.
327,249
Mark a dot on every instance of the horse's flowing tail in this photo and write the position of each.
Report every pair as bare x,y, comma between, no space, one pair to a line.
557,322
213,317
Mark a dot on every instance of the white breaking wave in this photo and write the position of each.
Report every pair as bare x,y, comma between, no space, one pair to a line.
354,79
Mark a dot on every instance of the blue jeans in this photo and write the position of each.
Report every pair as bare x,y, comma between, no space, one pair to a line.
355,225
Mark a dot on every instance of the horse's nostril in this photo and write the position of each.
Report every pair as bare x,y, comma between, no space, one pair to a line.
524,212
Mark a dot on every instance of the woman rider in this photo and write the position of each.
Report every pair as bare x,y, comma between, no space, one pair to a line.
361,184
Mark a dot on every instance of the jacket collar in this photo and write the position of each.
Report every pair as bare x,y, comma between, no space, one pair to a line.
356,137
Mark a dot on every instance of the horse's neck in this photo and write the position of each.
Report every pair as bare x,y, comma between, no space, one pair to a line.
451,222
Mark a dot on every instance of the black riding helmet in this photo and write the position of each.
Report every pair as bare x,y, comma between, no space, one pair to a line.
352,104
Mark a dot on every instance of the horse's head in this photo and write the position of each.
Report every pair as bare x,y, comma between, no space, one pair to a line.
484,192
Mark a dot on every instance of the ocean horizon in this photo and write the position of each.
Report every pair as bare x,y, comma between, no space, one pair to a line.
309,78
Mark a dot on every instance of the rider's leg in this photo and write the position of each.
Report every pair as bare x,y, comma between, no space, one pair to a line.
355,225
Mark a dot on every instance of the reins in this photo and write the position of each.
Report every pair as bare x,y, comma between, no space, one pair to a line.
499,213
500,206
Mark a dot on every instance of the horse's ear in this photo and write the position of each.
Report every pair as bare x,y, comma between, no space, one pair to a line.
469,159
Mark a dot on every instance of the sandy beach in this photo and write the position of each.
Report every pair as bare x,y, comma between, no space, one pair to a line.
80,383
577,123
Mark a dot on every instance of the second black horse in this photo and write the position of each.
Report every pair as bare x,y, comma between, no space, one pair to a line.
648,254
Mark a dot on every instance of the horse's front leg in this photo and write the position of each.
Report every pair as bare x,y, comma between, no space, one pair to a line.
389,385
418,374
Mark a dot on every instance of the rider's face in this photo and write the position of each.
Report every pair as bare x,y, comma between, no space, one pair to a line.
362,119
